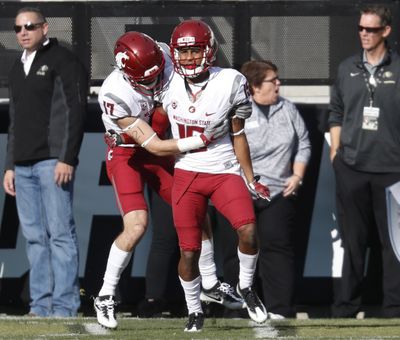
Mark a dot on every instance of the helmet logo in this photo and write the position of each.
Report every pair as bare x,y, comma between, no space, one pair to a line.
186,40
151,71
121,59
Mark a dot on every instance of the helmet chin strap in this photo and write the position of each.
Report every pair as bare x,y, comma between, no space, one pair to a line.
150,85
149,89
195,71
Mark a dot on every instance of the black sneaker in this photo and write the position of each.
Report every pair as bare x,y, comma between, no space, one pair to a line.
223,294
195,323
255,307
105,311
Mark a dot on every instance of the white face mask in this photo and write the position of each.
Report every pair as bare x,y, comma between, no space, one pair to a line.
188,71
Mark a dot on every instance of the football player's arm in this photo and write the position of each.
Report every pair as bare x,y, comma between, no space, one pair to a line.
242,151
159,123
143,134
241,147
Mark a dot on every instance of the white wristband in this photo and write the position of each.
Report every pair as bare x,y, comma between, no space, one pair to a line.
240,132
190,143
147,141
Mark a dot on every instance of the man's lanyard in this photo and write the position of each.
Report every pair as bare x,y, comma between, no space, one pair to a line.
370,120
371,82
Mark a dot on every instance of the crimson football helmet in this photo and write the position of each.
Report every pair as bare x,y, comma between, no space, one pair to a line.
140,59
193,33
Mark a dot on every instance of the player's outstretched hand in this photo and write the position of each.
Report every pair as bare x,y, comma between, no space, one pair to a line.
259,189
215,130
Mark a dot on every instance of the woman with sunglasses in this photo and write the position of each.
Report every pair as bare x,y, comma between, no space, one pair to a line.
48,91
365,153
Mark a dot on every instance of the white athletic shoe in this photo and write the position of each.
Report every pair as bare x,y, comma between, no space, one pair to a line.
105,310
255,307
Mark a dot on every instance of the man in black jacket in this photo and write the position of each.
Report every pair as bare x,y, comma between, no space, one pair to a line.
48,93
365,151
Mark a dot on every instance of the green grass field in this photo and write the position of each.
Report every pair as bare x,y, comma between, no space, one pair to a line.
133,328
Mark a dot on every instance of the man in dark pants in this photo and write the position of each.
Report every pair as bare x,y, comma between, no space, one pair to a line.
365,152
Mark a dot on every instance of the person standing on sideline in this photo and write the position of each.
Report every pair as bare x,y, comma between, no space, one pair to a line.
48,89
127,99
365,153
280,150
199,95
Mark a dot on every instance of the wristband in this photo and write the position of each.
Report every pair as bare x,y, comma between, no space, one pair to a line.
255,180
190,143
147,141
240,132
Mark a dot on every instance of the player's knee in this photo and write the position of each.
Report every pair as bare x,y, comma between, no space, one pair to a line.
248,235
134,232
188,264
190,255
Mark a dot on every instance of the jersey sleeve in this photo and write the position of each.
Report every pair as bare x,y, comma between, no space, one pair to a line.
118,99
240,93
117,107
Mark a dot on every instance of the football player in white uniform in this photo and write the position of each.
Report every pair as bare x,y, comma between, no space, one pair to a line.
127,99
198,96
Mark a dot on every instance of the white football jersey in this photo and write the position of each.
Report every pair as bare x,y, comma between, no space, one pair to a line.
118,99
226,88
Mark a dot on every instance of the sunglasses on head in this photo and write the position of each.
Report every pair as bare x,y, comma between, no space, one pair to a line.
370,29
29,26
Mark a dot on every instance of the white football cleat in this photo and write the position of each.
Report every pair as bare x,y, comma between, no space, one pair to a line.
105,310
255,307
